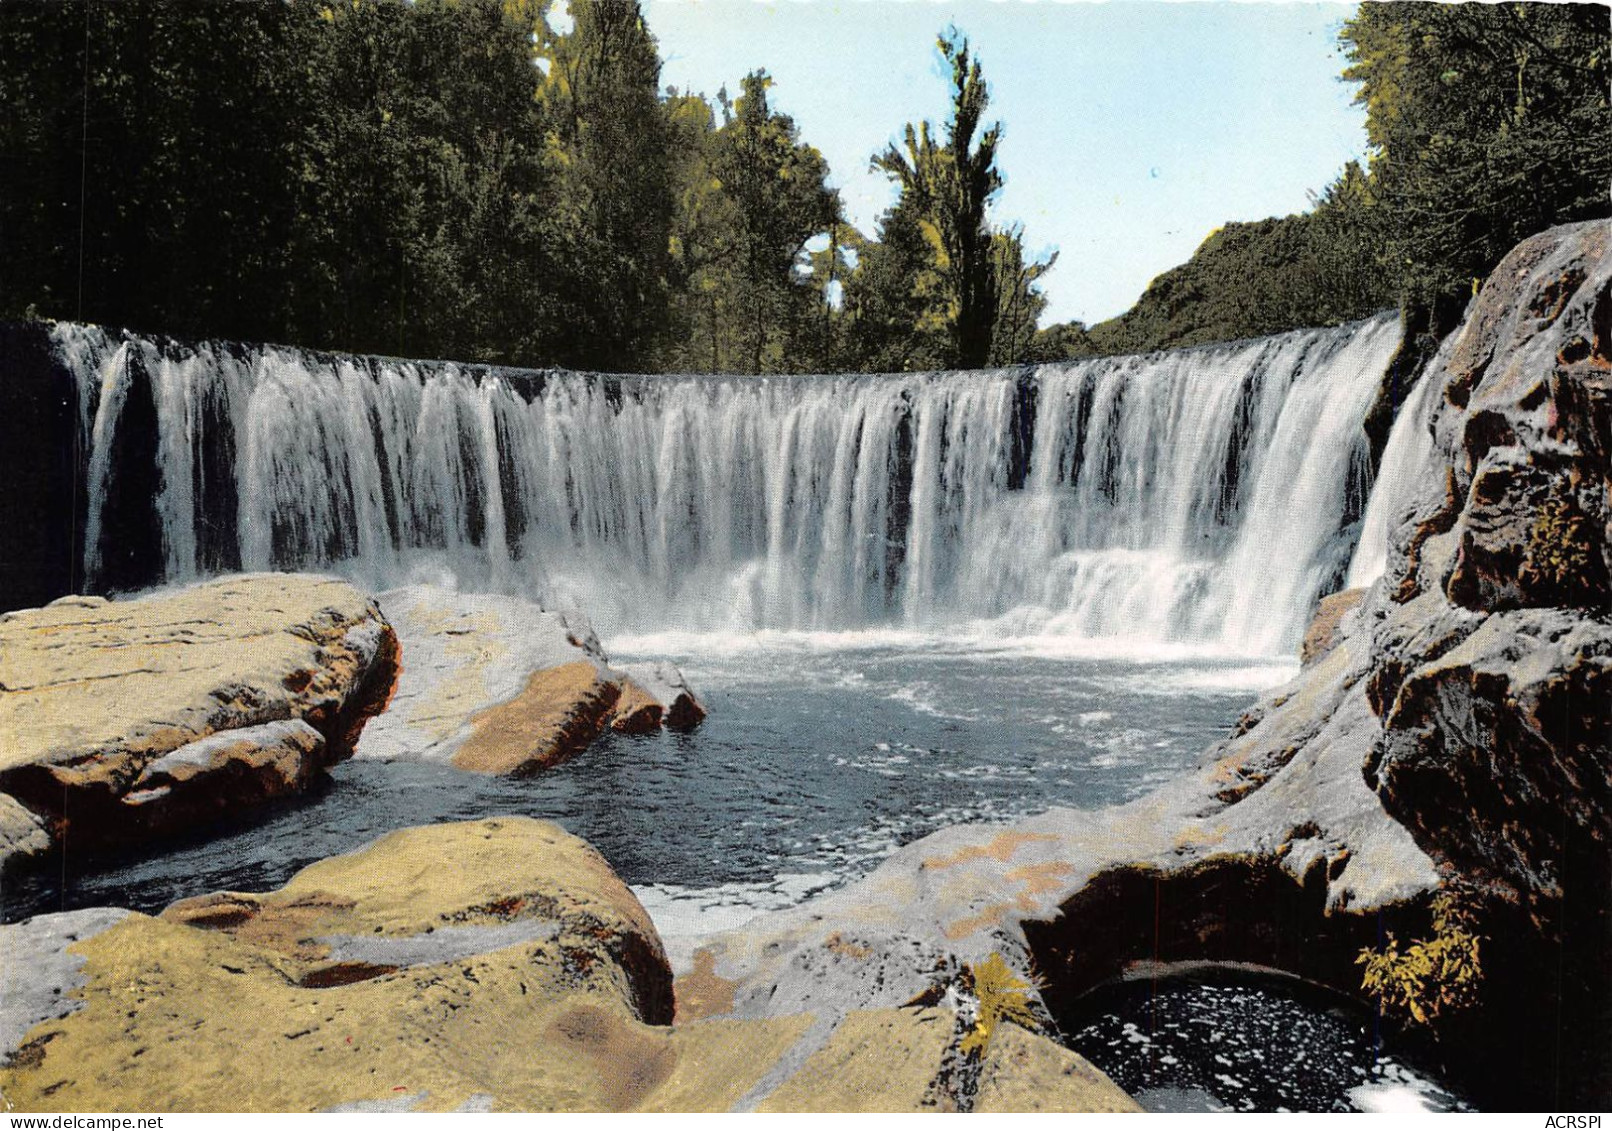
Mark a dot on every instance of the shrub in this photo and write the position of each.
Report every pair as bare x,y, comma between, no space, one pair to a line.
1426,979
1003,996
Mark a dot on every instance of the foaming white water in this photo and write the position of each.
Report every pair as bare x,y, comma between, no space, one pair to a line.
1407,460
1196,499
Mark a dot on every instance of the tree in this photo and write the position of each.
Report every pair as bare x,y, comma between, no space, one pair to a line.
948,182
1019,305
779,187
150,154
610,214
751,195
1487,123
894,309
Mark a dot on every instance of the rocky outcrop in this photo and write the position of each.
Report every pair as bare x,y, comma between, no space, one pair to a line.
1491,660
1492,656
121,720
498,685
23,833
524,976
1323,634
655,696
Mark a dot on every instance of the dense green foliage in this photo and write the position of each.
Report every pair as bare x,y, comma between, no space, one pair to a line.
459,178
753,195
450,178
1487,123
1318,268
942,287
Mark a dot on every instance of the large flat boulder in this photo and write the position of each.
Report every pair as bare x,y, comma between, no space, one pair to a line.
491,965
496,684
125,719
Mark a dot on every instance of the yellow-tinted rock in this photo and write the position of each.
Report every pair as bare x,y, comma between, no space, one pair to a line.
493,964
1322,635
719,1062
434,963
637,711
139,716
1025,1072
876,1060
559,712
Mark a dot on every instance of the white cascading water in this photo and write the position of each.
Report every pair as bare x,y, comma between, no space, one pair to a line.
1192,497
1407,461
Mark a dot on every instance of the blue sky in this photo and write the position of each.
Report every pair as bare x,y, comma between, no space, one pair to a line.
1131,129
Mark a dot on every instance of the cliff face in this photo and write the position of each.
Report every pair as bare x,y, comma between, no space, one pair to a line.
1491,653
1483,662
1491,646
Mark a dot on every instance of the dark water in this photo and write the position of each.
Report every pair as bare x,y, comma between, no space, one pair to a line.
817,760
1247,1043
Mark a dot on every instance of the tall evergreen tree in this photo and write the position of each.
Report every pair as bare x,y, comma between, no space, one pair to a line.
951,180
895,311
751,195
1019,304
779,187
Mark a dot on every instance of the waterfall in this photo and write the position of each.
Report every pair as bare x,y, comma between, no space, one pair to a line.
1407,461
1202,496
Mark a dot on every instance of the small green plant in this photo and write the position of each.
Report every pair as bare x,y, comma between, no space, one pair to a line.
1558,556
1003,996
1426,979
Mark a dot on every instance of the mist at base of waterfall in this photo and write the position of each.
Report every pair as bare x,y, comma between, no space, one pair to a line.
821,755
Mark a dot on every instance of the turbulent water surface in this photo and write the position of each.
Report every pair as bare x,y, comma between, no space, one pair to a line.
820,756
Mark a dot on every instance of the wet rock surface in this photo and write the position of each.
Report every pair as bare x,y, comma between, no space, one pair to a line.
131,719
1492,661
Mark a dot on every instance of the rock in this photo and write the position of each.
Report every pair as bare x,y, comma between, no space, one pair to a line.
523,968
873,1060
1024,1073
1490,648
1527,418
1497,751
661,685
556,716
523,977
1491,663
39,976
1322,635
498,685
133,718
23,833
637,711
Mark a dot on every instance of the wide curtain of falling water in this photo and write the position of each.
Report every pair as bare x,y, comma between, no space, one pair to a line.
1203,496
